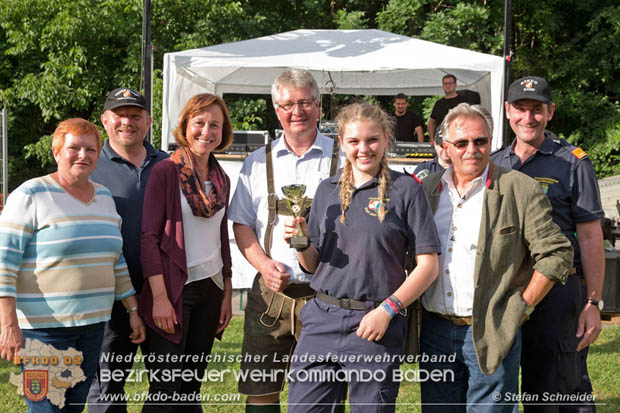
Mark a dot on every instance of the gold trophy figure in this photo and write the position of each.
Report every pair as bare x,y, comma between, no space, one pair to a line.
294,197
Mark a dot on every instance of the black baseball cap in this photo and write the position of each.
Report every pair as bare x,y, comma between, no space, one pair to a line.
124,96
530,87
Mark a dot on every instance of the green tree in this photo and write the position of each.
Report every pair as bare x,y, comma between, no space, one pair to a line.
574,44
61,57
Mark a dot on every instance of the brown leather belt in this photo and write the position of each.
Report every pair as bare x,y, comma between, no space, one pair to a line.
344,303
456,320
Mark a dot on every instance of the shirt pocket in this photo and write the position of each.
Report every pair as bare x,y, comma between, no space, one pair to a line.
507,230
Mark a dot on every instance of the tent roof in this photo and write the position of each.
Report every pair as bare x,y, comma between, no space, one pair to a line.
368,62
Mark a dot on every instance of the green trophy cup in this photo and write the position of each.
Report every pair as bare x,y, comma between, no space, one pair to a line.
294,197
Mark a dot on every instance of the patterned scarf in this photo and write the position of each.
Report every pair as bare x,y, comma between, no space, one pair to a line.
202,205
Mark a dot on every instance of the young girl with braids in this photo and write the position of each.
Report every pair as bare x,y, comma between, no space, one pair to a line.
362,222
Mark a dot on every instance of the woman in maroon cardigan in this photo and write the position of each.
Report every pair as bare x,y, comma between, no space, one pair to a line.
185,255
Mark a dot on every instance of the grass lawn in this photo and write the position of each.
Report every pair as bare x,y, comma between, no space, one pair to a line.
603,363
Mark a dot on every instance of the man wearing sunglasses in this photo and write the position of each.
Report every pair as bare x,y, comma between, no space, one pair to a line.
500,254
556,337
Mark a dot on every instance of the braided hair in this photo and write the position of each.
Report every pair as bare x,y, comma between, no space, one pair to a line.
358,112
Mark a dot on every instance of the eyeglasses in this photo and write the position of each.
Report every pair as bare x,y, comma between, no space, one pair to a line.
289,107
464,143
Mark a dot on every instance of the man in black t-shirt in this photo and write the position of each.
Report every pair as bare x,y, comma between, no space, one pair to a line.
443,105
408,124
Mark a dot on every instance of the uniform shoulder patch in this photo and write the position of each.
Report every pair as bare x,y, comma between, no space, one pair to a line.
579,153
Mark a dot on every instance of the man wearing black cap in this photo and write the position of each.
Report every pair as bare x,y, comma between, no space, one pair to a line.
123,167
568,319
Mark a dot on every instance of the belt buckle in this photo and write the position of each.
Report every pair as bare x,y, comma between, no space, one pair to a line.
345,303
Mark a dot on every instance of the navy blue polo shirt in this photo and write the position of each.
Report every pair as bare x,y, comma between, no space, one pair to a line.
566,176
364,258
127,184
426,168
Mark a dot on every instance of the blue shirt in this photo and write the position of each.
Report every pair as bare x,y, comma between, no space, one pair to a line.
127,184
566,176
426,168
364,258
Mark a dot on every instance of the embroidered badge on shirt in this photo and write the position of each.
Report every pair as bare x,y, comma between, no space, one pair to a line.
579,153
374,204
545,182
421,175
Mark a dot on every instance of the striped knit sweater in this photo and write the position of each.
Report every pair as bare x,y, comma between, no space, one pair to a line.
61,258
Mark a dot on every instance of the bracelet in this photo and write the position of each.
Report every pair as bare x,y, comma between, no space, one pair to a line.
389,309
397,302
132,309
392,305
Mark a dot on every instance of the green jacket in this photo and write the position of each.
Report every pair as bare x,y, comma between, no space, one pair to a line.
517,235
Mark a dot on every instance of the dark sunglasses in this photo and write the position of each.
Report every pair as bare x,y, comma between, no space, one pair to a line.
464,143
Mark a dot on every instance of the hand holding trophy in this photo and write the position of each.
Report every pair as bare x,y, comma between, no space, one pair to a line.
294,197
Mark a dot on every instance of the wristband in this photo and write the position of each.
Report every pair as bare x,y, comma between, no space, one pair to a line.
389,309
397,302
132,309
392,304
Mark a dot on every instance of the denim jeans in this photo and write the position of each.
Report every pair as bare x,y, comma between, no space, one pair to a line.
471,390
86,339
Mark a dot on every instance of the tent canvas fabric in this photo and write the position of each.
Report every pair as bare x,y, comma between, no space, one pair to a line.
360,62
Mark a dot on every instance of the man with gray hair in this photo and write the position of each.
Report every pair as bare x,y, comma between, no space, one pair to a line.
281,287
500,254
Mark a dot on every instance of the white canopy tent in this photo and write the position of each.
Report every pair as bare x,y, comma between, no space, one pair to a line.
362,62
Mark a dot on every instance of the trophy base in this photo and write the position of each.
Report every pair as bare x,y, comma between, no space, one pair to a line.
300,242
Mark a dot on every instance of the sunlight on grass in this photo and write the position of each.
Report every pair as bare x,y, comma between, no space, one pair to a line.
603,363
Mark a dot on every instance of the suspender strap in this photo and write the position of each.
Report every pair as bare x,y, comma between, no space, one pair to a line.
271,200
271,191
334,165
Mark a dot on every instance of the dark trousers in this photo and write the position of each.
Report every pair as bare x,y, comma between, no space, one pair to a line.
585,385
550,363
169,393
106,395
330,356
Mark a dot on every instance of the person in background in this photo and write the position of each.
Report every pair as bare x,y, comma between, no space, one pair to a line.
408,126
440,162
567,321
443,105
501,253
63,267
185,255
124,166
362,223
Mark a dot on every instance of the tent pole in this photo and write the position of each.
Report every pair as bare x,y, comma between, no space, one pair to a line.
146,80
508,55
